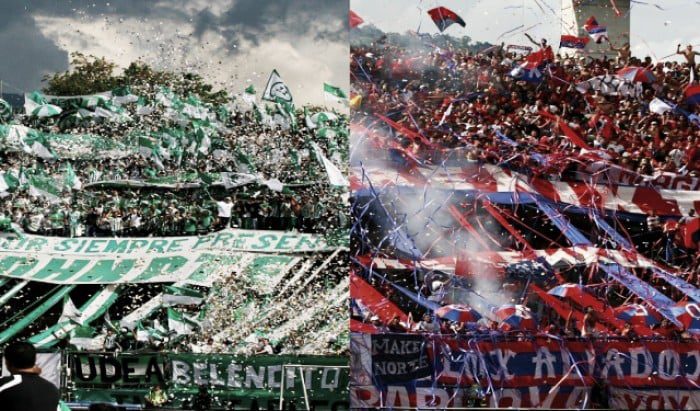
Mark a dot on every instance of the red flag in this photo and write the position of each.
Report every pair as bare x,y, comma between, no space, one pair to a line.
573,42
379,305
355,20
444,18
690,233
360,327
568,131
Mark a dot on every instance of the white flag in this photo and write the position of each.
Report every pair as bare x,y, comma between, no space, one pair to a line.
659,106
274,184
70,312
335,177
276,90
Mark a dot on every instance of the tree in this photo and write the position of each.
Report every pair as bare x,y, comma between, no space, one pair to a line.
91,74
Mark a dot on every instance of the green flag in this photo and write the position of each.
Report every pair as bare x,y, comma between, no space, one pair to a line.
149,148
178,323
44,186
84,337
181,295
8,181
334,94
35,142
70,179
319,119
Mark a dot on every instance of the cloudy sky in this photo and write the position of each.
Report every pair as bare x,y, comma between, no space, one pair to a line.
656,25
231,42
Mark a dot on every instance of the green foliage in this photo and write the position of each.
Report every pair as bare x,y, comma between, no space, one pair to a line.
91,74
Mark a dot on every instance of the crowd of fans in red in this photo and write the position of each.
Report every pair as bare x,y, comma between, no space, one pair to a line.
422,84
442,99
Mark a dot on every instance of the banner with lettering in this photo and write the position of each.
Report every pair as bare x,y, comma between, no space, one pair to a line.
539,372
238,381
89,260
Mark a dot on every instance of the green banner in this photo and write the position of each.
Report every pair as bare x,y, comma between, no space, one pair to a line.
241,381
195,259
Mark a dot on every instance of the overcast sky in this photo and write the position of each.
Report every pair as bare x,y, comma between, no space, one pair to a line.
230,42
654,31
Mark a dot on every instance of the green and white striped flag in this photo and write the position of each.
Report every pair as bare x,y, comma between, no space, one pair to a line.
144,333
173,295
35,142
178,323
46,110
334,93
44,186
33,100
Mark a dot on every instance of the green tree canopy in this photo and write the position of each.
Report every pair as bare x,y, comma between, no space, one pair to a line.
91,74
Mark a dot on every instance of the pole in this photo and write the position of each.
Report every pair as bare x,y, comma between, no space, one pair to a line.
284,372
303,385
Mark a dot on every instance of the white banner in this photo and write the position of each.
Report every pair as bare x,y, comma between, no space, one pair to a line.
196,259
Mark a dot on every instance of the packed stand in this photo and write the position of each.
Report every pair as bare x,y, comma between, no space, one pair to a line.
429,103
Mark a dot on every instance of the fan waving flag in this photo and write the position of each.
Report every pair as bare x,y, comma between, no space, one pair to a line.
355,20
531,69
444,18
595,30
573,42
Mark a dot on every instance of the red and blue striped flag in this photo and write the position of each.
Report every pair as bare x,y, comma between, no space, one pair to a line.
691,94
444,18
595,30
573,42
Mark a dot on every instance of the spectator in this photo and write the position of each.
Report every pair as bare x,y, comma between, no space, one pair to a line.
24,389
156,397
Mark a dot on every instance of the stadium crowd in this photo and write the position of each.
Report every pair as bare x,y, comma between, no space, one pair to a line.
485,97
276,182
134,195
449,105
